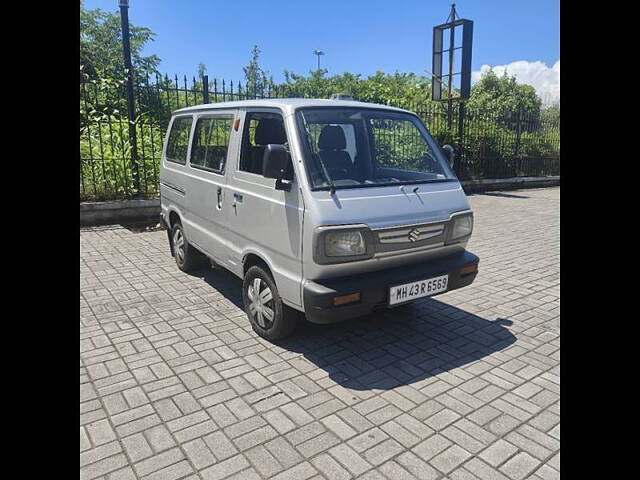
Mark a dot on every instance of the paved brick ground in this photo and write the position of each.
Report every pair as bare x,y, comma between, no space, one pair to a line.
174,384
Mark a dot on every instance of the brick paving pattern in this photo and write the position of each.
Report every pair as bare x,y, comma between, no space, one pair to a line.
174,384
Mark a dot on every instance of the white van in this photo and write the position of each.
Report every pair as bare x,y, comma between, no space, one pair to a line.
327,207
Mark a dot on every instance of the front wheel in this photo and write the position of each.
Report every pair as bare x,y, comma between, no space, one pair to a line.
269,317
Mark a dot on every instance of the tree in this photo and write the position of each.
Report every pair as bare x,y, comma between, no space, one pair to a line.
255,77
551,113
397,89
101,46
504,96
202,70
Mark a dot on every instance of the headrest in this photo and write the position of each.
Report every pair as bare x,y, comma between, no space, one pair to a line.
332,138
270,130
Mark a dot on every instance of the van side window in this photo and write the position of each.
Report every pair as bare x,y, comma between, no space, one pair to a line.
178,142
210,143
260,130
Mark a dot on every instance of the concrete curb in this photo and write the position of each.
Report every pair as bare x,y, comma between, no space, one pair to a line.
103,213
106,213
487,184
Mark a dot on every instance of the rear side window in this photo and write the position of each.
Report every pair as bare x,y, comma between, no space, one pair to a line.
210,143
178,142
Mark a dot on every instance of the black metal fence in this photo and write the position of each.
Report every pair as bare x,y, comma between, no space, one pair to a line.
488,143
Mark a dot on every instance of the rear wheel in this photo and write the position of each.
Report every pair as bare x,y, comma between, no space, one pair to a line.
187,258
269,317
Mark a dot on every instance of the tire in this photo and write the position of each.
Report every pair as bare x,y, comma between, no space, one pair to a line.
187,257
269,317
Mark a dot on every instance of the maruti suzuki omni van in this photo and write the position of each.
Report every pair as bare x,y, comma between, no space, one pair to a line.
327,208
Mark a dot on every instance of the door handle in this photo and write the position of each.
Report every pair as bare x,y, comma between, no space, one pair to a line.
237,198
219,198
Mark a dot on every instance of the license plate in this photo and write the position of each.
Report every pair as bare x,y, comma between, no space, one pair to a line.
419,289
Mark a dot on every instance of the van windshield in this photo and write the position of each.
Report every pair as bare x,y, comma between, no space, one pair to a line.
353,147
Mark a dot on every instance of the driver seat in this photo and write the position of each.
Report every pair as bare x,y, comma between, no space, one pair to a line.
331,146
268,130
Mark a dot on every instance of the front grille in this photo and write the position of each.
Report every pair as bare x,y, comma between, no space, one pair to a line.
410,237
403,235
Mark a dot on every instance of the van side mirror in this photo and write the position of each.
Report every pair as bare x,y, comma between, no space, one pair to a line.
274,161
274,164
449,152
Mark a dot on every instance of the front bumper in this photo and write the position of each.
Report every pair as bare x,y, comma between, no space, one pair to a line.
374,287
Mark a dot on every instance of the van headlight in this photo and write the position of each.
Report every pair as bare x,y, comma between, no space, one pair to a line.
338,245
344,244
462,226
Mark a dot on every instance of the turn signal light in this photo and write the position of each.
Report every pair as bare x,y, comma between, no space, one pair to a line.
466,270
344,299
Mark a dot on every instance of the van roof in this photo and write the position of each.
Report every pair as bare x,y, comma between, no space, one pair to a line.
289,105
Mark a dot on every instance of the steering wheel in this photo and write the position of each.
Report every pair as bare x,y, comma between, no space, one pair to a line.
428,160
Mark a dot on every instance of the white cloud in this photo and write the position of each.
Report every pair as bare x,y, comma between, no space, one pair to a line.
546,80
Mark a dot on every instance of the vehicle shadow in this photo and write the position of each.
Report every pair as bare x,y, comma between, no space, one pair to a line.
393,347
502,194
389,347
225,282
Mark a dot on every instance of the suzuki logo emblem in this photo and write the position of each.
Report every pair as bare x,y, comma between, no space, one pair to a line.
414,235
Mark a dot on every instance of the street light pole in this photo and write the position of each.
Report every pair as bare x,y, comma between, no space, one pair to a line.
131,108
318,53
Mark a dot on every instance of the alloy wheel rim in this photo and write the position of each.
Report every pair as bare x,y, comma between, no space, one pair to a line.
261,307
178,243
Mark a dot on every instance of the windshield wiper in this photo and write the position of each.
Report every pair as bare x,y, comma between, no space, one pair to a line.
425,180
325,173
332,187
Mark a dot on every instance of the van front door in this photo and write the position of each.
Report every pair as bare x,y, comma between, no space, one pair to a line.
263,220
207,181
